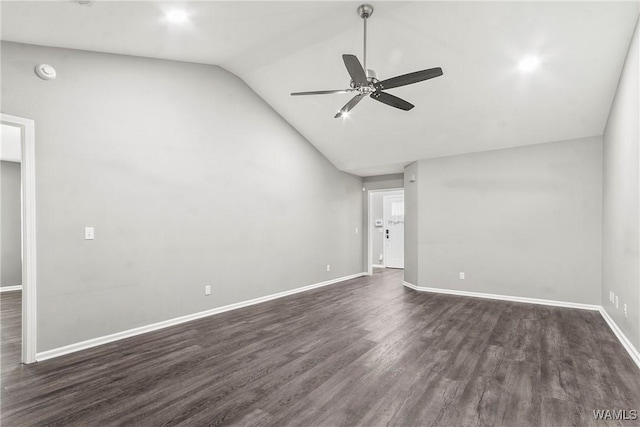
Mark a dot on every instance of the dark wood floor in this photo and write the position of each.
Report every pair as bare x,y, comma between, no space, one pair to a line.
10,335
364,352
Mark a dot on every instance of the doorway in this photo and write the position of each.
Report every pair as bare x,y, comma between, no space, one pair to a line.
386,229
393,214
17,147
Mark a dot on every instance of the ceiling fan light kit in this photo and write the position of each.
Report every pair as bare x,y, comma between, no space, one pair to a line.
365,81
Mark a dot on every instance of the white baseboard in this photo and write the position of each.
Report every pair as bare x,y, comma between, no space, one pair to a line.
60,351
377,266
11,288
505,297
410,285
633,352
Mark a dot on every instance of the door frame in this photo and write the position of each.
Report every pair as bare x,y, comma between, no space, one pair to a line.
29,270
370,227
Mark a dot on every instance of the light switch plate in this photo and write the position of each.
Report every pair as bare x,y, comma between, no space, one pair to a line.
89,233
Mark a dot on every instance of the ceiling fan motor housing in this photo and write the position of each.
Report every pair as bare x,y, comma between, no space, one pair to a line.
372,77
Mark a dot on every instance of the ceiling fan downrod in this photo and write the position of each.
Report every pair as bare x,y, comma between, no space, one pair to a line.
365,11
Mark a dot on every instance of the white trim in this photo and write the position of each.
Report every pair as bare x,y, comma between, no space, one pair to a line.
60,351
29,270
370,226
505,297
410,285
633,352
11,288
377,266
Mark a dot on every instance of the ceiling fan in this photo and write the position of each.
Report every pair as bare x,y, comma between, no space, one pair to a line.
365,82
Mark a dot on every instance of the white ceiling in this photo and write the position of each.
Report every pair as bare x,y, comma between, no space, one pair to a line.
482,102
10,143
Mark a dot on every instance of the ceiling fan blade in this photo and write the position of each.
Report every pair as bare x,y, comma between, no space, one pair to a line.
322,92
355,70
394,101
407,79
349,105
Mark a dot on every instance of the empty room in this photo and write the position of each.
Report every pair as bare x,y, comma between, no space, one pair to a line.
204,222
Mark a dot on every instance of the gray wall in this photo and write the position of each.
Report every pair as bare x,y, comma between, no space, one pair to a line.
411,222
621,213
189,178
10,225
521,222
379,182
377,211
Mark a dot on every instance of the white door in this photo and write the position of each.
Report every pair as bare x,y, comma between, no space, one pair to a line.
393,213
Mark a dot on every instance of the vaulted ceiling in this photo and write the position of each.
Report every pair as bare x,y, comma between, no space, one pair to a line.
484,100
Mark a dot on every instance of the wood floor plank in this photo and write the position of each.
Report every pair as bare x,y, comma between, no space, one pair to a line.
521,403
367,352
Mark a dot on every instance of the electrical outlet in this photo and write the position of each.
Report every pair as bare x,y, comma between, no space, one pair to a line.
616,301
380,257
207,290
624,309
328,267
462,275
356,230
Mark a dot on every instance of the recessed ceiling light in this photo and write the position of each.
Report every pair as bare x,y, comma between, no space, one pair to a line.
529,63
177,16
